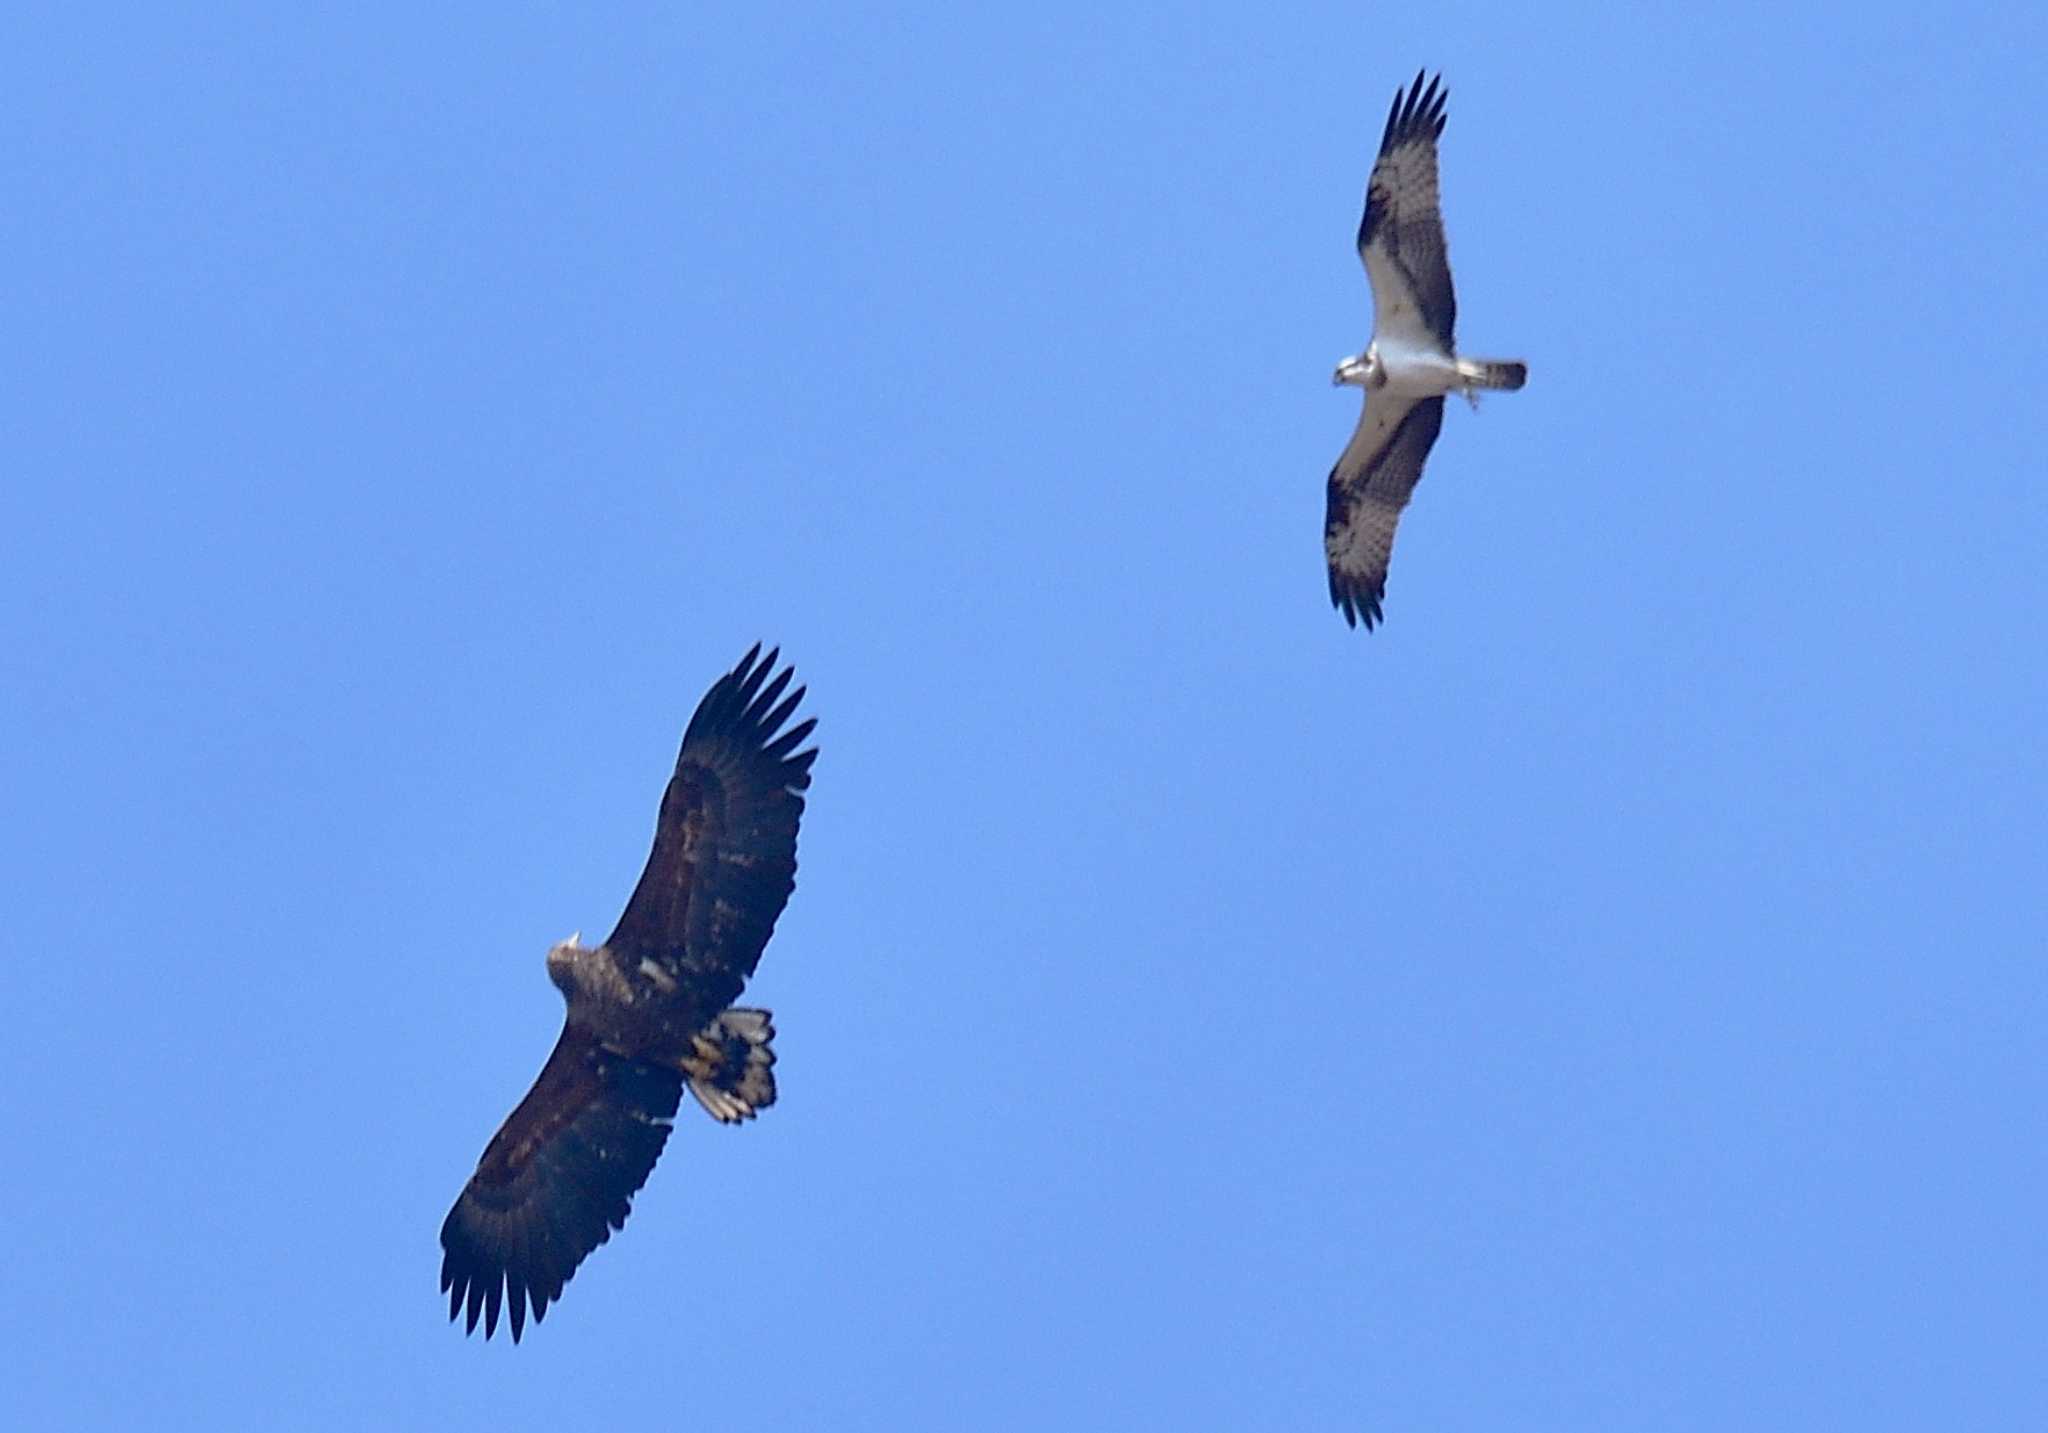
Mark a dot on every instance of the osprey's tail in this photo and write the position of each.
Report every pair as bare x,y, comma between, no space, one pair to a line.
731,1066
1492,373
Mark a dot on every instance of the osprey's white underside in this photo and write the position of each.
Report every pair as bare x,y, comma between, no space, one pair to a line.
1414,370
1415,364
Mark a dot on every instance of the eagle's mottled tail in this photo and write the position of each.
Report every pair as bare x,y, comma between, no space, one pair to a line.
732,1067
1492,373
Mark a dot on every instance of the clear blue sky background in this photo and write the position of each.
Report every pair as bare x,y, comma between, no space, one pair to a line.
1609,996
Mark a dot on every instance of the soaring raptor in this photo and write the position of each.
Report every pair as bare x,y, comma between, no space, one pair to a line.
650,1011
1412,361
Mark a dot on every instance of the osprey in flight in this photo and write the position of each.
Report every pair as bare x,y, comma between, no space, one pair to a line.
650,1011
1412,361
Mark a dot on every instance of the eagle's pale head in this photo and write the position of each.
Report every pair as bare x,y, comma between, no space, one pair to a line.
1362,370
562,962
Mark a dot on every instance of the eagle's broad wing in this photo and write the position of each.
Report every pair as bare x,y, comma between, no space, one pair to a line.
555,1180
1401,235
724,857
1368,488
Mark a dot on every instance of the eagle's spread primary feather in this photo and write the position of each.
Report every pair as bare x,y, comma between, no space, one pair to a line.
648,1011
1412,361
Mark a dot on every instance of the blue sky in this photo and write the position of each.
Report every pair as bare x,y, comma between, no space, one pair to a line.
1608,996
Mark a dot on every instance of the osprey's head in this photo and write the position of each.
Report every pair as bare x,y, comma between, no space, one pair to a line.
562,963
1362,370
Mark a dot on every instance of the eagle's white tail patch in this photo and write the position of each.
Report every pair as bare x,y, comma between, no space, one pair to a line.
731,1066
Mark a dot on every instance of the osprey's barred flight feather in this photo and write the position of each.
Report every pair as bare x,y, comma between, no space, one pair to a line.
649,1011
1412,361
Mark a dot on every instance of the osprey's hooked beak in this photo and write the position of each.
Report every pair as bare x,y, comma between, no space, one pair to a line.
1351,370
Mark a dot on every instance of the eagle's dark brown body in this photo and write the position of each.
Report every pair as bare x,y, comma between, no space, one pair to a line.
644,1011
650,1011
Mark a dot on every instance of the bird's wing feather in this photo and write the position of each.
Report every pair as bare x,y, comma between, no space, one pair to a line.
555,1180
724,857
1401,235
1369,486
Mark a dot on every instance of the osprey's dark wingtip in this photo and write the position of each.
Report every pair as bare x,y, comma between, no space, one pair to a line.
1417,109
1393,121
1358,604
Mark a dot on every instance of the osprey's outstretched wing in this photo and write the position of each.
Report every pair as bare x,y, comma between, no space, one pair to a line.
1369,486
556,1179
724,857
1401,236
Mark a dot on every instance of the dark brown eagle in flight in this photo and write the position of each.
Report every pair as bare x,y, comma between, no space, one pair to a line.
650,1011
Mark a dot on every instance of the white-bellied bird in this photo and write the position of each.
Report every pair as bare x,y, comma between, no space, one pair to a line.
1412,361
